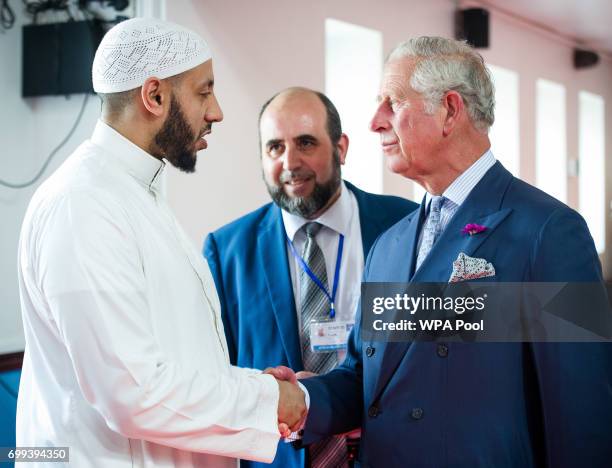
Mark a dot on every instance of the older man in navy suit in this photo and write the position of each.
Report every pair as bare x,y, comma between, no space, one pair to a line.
456,404
288,275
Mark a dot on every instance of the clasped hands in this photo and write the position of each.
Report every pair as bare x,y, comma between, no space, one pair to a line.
292,409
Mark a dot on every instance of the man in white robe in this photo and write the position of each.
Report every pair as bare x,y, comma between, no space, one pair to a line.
126,362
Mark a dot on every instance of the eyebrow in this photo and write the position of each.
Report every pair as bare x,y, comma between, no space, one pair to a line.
208,84
306,136
273,142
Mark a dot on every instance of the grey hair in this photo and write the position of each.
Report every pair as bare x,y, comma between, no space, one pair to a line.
443,65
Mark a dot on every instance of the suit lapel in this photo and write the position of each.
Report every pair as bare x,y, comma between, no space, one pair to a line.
482,206
402,266
412,238
375,219
371,220
272,249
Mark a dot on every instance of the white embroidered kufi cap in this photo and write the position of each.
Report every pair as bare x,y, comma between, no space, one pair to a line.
139,48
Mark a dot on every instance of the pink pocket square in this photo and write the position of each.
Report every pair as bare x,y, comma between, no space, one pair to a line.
469,268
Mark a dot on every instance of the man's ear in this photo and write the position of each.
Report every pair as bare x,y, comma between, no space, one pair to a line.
153,96
453,104
342,147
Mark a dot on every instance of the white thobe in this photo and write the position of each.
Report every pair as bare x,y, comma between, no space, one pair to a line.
126,361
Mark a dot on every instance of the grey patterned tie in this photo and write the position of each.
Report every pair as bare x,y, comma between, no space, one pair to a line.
315,305
431,229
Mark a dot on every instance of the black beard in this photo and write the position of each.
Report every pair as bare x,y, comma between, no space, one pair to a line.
320,196
175,139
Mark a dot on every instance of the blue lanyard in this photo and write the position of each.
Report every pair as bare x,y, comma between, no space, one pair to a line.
331,297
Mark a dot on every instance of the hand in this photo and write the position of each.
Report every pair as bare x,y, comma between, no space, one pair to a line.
291,407
284,430
282,373
305,374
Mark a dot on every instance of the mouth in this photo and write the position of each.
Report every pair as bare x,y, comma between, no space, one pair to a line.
201,143
297,182
389,145
298,186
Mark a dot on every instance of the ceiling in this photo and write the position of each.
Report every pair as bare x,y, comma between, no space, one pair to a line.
587,22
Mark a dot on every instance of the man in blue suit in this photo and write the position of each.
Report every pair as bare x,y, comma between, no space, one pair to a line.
455,404
265,263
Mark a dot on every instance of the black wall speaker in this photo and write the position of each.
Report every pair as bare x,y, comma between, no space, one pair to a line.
57,57
472,24
585,58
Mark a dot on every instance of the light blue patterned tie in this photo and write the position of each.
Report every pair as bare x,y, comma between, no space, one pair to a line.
431,229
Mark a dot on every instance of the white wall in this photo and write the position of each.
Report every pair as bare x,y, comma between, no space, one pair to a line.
261,47
29,130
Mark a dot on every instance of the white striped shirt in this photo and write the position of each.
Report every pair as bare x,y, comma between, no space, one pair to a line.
458,191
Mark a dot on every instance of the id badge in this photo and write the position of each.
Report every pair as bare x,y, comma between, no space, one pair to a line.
329,335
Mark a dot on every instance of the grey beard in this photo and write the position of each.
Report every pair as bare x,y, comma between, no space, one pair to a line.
307,206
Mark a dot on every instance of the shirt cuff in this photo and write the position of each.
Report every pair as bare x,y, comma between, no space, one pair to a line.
306,395
297,435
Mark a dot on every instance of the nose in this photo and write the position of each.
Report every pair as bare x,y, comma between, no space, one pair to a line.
380,121
291,159
214,113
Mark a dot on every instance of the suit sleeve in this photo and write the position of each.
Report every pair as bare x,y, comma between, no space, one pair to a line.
336,398
211,253
575,379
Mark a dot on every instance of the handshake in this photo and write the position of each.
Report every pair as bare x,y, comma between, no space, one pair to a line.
292,409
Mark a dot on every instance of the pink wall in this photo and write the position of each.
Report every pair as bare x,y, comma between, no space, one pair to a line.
263,46
536,55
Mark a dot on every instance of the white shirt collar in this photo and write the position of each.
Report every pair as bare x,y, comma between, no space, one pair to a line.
461,187
141,165
337,217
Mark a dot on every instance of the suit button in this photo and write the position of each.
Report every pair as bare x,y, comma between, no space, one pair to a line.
442,350
416,413
370,351
373,411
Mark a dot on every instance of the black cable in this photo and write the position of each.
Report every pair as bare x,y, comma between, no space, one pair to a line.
7,16
33,8
57,148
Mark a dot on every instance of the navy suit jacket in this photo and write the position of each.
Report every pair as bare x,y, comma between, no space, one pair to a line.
248,260
480,404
